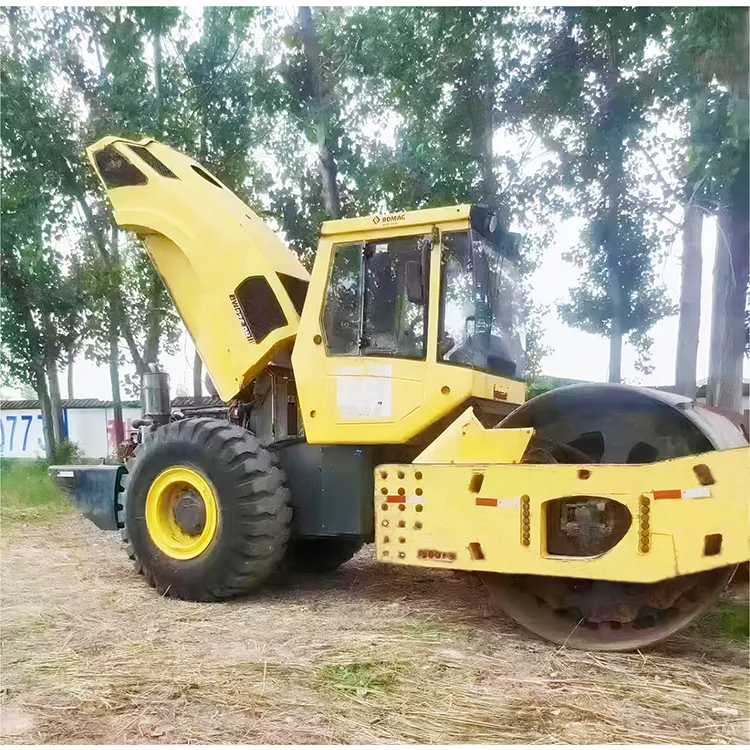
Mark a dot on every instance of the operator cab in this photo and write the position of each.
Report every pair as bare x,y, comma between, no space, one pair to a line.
377,298
421,315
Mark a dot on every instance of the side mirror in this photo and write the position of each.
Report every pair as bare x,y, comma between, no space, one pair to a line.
470,327
414,286
486,222
510,245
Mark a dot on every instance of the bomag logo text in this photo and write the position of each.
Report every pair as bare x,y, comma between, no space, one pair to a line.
388,219
241,318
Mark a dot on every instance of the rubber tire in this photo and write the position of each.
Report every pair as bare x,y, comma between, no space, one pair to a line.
254,510
320,555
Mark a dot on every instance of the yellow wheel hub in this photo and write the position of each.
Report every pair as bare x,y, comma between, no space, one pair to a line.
182,513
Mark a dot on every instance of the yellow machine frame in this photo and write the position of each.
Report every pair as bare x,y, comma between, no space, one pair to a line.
467,503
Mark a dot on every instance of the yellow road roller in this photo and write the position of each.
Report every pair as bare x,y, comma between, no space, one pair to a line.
381,398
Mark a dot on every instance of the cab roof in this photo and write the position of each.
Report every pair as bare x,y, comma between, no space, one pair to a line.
426,216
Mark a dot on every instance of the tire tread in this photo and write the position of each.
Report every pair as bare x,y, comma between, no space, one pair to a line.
257,540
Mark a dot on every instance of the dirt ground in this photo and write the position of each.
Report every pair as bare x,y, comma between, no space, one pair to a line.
373,654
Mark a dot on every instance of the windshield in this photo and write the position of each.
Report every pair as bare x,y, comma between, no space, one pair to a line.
481,312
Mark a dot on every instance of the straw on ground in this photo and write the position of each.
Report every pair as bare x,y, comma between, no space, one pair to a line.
372,654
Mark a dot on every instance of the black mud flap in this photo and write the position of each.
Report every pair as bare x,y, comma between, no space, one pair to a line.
93,490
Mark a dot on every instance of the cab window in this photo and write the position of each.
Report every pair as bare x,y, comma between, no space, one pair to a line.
376,301
481,308
343,307
395,298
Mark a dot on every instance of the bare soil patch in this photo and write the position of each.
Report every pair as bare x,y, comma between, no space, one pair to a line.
373,654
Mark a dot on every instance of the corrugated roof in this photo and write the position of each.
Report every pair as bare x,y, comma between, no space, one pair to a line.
96,403
66,403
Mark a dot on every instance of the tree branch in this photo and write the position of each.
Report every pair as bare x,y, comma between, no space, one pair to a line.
118,309
671,192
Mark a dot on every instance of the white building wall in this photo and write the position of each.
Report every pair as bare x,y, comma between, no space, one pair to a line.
21,434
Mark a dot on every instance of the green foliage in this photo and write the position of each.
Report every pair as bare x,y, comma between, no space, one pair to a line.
645,303
361,677
67,452
728,620
590,98
544,383
439,155
42,292
713,42
548,113
536,347
710,57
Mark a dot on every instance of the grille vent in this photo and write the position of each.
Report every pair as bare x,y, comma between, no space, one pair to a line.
260,307
152,161
116,170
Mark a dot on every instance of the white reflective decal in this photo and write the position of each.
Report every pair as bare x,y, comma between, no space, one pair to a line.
697,492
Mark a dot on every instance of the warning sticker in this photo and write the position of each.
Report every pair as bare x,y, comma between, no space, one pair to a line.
363,397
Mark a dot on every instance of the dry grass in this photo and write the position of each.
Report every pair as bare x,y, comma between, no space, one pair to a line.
372,655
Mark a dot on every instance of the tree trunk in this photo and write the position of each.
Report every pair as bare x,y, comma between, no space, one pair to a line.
155,313
117,309
731,267
610,128
329,177
614,374
197,376
114,353
729,298
326,163
157,81
50,446
612,249
58,427
71,362
53,380
12,16
690,302
489,182
114,380
36,346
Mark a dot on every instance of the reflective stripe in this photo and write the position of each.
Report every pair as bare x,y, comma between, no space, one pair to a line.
496,502
682,494
488,501
667,494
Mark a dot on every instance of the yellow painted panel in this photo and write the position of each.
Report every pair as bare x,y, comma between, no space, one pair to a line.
204,241
443,516
466,441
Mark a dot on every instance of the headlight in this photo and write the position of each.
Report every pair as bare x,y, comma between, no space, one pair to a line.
585,526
